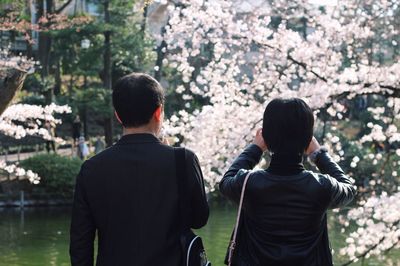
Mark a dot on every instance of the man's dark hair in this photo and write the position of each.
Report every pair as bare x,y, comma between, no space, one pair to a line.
288,125
135,98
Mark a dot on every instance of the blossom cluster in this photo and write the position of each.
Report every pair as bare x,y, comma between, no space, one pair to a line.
378,227
20,120
20,173
252,62
9,61
51,21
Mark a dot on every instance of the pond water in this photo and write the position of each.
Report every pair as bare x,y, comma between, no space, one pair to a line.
39,237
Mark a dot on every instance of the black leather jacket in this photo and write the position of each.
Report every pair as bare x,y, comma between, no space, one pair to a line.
284,212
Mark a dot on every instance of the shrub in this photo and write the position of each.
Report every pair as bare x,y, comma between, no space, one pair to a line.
57,173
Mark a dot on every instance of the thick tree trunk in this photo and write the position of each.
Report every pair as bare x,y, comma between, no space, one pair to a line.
43,8
44,52
11,81
107,83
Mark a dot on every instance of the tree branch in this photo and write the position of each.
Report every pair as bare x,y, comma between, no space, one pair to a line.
61,9
365,253
395,90
305,67
11,81
362,255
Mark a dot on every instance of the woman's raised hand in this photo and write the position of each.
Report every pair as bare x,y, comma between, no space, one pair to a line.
313,146
259,140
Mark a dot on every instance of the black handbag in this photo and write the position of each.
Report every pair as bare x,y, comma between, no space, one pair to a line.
193,252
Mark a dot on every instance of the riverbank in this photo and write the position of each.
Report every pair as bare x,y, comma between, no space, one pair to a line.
22,199
38,201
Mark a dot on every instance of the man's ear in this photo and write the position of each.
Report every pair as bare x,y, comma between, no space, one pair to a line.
119,119
158,113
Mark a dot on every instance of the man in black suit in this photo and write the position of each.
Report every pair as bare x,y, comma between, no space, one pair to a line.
128,193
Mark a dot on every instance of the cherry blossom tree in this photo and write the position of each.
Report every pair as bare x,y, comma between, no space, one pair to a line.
239,59
252,62
20,120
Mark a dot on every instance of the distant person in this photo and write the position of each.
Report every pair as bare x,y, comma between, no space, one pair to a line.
83,149
76,129
284,220
128,194
99,145
50,143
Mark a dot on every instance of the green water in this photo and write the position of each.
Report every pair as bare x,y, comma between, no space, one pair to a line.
39,237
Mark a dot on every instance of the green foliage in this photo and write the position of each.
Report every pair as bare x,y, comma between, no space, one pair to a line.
34,99
42,87
75,59
12,6
133,52
57,172
94,100
132,49
372,163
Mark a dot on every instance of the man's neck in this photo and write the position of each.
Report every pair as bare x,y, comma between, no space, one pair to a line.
139,130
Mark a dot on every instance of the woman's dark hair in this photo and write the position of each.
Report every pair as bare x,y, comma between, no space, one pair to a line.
135,98
288,125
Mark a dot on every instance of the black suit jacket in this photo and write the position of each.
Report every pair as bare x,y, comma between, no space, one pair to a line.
128,195
284,216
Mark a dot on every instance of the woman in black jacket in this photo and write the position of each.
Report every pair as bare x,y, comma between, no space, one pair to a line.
283,219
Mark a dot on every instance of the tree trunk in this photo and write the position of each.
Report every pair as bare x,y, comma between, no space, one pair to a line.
143,26
29,50
85,111
85,122
108,122
10,83
159,61
45,7
57,78
71,84
160,56
108,131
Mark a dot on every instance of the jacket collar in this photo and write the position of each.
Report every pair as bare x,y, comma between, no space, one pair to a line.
138,138
286,164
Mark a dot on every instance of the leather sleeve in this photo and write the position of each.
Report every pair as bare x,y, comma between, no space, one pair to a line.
232,182
338,184
199,210
83,230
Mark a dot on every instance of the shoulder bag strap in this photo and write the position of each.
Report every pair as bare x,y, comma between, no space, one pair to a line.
235,230
181,176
